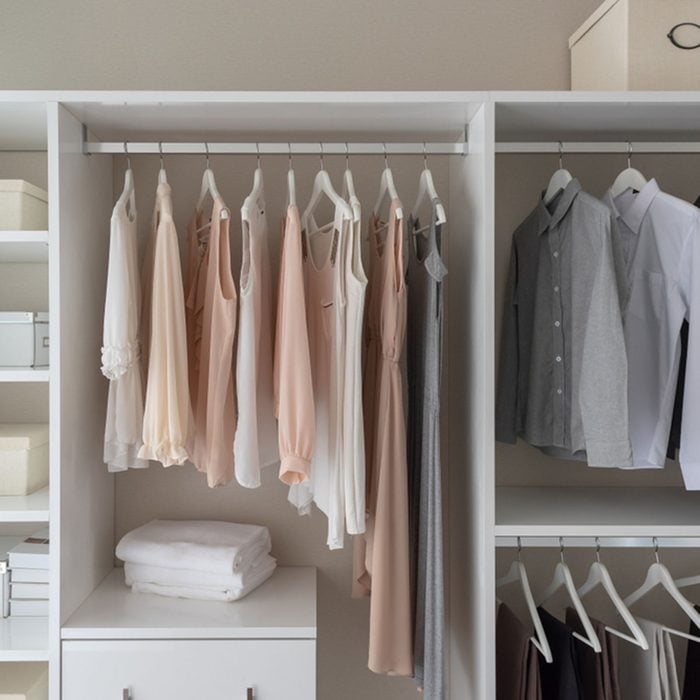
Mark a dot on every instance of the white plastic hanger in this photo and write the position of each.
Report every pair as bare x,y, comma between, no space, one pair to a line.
426,188
562,577
209,187
659,575
127,195
559,180
598,575
386,187
349,189
629,178
252,200
291,182
517,573
162,176
323,185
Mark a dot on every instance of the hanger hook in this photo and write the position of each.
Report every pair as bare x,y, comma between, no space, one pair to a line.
561,156
206,148
160,151
386,158
320,155
561,549
289,145
655,541
257,154
629,154
519,546
128,157
425,157
597,549
347,156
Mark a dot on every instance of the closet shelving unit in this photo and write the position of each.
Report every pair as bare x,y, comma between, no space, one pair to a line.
85,588
23,133
526,494
485,504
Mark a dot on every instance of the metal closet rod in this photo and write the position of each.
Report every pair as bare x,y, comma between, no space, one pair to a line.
533,542
565,147
285,148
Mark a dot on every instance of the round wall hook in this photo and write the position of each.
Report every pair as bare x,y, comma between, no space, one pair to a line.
672,36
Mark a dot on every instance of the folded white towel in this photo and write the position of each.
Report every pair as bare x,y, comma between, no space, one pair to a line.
197,545
162,576
217,592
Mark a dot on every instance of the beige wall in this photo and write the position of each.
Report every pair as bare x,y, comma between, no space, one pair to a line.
283,44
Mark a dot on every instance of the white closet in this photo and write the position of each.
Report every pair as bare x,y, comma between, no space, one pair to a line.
492,492
101,641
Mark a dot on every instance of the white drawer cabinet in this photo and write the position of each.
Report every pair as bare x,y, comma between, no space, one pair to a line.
190,670
262,647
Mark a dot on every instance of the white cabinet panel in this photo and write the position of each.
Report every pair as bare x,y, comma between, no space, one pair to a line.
190,670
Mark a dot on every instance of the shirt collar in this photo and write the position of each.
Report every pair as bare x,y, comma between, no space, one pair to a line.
547,219
633,215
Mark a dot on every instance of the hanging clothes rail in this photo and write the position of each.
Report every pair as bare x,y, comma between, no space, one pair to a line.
592,542
279,148
566,147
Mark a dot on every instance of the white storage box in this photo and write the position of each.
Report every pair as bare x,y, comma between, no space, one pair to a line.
24,339
24,681
24,458
23,206
624,45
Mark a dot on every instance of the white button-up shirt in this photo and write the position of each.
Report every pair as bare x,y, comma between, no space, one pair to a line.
660,241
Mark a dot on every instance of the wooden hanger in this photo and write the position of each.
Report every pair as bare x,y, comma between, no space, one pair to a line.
598,575
517,573
559,180
209,187
563,578
629,178
386,187
659,575
252,200
426,188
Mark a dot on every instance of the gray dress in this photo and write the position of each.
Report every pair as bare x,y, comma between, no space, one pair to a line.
424,356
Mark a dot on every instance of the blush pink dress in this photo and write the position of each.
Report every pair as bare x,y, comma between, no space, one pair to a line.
214,407
381,562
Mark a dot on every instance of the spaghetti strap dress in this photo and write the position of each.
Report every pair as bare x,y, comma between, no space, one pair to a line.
381,561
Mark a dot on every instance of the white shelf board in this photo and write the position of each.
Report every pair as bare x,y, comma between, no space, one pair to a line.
284,607
596,512
655,117
33,508
24,639
21,374
24,246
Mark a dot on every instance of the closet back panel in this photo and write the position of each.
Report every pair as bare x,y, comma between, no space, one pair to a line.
181,492
81,490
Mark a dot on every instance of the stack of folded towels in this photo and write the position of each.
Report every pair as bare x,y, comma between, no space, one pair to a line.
205,560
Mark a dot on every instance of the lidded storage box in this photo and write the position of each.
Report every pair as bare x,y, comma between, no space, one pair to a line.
624,45
23,206
24,458
24,339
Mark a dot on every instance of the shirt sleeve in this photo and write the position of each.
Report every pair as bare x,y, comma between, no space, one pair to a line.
507,389
690,290
293,382
166,420
119,352
603,381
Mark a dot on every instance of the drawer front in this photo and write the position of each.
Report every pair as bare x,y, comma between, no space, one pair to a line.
189,670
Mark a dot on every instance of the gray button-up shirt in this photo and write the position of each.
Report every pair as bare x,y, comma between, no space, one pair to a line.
563,369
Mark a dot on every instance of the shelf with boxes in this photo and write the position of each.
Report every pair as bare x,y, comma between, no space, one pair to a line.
24,246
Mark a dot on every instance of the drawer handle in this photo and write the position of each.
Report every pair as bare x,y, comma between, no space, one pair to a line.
126,694
249,694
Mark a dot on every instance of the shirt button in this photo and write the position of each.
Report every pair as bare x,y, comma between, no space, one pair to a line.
556,289
558,358
556,253
557,324
559,391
